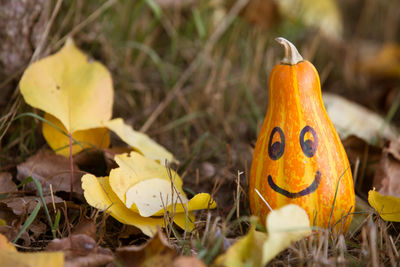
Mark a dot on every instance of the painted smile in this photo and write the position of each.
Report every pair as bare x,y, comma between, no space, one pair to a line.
311,188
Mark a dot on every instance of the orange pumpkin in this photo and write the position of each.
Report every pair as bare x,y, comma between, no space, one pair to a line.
299,157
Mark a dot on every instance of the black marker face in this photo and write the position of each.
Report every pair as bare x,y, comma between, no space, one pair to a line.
275,150
309,148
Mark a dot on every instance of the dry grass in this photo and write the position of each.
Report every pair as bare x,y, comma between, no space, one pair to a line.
199,86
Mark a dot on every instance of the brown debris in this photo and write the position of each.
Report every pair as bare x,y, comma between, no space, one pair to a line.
49,168
81,250
386,180
156,252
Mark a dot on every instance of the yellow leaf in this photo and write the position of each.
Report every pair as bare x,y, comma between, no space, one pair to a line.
285,225
72,88
140,141
10,257
95,137
134,168
388,207
247,251
141,188
151,195
5,245
98,193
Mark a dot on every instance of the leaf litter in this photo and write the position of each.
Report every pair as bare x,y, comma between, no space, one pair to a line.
78,219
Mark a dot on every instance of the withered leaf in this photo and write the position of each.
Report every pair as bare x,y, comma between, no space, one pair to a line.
49,168
6,183
22,205
85,226
386,180
81,250
156,252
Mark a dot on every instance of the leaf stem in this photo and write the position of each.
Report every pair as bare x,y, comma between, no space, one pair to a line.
71,167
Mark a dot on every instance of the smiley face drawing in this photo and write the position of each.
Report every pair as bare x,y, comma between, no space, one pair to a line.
309,147
299,158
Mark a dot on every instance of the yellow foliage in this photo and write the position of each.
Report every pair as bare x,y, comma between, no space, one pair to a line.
140,141
388,207
10,257
95,137
139,190
72,88
285,225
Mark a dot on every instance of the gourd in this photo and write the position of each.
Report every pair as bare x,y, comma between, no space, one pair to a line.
298,157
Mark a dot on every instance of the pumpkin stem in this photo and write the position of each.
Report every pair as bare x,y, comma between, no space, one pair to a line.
292,56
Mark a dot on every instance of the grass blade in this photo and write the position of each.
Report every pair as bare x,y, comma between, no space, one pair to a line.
28,221
40,191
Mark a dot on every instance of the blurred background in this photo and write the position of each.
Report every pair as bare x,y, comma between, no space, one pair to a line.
194,74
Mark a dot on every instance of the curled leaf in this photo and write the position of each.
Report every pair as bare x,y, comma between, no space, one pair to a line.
141,188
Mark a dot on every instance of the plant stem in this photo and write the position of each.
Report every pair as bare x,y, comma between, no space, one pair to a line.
71,167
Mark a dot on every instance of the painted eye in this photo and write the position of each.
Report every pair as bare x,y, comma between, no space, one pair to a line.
308,146
275,150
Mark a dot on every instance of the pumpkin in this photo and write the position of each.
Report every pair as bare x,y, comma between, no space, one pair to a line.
298,157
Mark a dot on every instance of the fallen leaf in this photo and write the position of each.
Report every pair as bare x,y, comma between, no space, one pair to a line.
10,257
140,188
5,245
386,180
91,138
81,250
285,225
85,226
6,183
323,14
48,168
98,194
26,204
247,251
72,88
358,121
156,252
388,207
140,141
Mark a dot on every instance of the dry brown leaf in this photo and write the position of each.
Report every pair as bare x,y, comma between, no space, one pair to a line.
81,250
6,183
22,205
85,226
386,180
49,168
156,252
